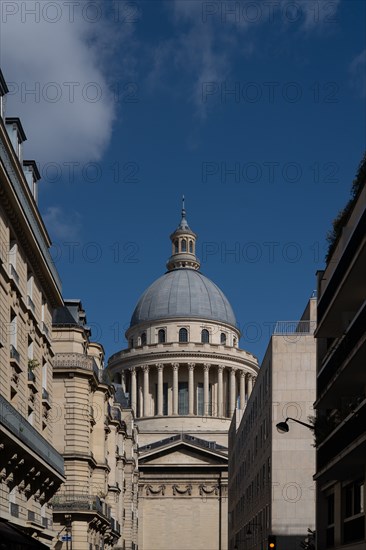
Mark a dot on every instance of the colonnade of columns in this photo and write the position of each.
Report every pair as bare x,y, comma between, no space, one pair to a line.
237,389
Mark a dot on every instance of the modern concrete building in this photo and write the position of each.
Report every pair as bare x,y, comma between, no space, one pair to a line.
97,439
271,488
31,470
341,381
184,374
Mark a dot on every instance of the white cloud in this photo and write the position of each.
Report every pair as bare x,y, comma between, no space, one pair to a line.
358,74
60,54
208,34
62,226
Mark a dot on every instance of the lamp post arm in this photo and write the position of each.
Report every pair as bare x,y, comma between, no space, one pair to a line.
299,422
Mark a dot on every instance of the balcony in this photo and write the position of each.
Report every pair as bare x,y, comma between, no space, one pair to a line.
46,331
46,398
15,357
31,305
20,428
13,274
76,361
115,526
339,355
342,435
35,518
80,503
32,381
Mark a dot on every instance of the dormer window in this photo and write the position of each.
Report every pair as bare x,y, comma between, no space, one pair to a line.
130,342
143,339
176,247
191,247
184,245
32,176
205,336
223,338
183,335
17,136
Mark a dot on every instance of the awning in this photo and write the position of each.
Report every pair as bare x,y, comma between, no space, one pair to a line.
12,538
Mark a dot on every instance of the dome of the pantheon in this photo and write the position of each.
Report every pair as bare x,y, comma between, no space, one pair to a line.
183,292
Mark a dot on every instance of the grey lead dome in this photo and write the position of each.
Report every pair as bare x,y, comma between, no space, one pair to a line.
183,293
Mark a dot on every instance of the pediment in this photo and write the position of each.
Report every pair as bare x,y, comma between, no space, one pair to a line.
182,454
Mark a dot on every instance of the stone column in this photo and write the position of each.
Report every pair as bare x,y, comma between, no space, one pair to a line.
175,387
232,391
191,388
220,394
141,396
146,390
206,387
160,368
133,390
250,384
242,390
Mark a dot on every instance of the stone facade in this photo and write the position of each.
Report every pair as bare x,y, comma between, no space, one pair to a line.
271,490
341,385
183,374
97,439
30,468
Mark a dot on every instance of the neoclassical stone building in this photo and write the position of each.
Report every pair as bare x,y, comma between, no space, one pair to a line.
183,374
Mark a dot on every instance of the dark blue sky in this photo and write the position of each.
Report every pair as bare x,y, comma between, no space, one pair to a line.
257,117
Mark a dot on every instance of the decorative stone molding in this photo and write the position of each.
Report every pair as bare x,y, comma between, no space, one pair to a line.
146,368
206,366
150,490
175,366
178,491
205,490
159,366
191,366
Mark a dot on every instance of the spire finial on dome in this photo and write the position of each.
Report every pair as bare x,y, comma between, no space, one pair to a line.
183,245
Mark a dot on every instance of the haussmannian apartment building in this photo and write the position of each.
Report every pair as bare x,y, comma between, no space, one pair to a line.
97,505
341,382
31,470
271,487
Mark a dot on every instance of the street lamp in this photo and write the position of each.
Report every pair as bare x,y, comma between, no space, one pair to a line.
283,427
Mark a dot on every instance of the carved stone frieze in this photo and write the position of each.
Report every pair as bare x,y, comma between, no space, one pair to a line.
177,490
151,490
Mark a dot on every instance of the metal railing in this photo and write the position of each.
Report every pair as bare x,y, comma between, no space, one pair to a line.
79,502
20,428
294,327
